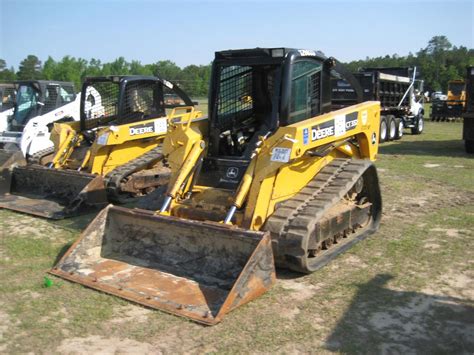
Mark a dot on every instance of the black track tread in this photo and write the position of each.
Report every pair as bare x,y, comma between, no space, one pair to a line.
36,157
114,178
290,226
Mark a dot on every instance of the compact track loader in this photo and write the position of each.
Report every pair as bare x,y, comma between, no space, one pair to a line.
273,177
112,153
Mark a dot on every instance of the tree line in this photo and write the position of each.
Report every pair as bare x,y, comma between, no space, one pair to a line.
193,79
437,63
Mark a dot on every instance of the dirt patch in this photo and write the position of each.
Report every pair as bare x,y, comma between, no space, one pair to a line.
184,338
301,291
450,232
419,203
60,315
6,323
416,321
130,313
355,261
29,295
32,228
456,284
431,246
430,166
290,313
104,346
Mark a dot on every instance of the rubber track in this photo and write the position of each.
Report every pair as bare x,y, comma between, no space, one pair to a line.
36,157
116,176
292,221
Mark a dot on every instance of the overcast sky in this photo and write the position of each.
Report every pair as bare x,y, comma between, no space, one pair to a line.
189,32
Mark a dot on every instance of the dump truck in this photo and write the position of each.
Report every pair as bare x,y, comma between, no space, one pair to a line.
400,95
451,108
274,176
468,115
113,152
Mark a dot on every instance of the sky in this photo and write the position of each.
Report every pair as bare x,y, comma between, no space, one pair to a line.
189,32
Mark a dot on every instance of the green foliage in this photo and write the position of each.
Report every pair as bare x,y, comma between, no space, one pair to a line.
68,69
193,79
5,73
30,68
437,63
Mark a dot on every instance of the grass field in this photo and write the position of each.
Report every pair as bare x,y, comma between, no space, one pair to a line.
407,289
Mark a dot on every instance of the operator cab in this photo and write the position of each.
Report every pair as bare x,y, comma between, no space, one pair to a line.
253,92
118,100
39,97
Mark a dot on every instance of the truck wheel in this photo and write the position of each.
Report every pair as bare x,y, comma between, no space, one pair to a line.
469,145
418,126
392,128
400,127
383,129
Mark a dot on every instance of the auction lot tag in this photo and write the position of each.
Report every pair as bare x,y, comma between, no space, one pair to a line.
102,139
340,125
281,155
161,125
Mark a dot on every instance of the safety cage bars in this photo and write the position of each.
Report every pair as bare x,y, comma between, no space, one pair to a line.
235,94
141,100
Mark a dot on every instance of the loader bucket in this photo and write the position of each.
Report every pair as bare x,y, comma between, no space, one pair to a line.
10,157
199,270
50,193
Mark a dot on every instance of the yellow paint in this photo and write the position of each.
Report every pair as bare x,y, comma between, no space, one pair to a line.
268,182
461,98
118,145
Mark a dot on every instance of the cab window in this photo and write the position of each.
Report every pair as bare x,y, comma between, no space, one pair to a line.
66,94
305,90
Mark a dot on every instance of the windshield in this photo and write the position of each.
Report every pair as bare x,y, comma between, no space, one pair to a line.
26,104
305,90
456,88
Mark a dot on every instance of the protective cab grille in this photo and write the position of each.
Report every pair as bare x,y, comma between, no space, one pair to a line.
141,100
234,100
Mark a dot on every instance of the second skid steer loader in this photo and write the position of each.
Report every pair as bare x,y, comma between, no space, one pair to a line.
112,153
273,177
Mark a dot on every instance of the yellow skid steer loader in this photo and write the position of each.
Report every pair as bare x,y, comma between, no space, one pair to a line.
111,154
274,177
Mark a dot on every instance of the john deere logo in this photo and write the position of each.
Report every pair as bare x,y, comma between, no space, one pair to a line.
232,172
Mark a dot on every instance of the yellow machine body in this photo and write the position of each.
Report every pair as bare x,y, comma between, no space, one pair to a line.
114,145
266,181
293,191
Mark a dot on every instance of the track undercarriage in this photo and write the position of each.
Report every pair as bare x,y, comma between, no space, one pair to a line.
341,206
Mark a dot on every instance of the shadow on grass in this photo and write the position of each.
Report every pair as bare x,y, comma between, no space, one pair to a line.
380,320
61,253
448,148
78,223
